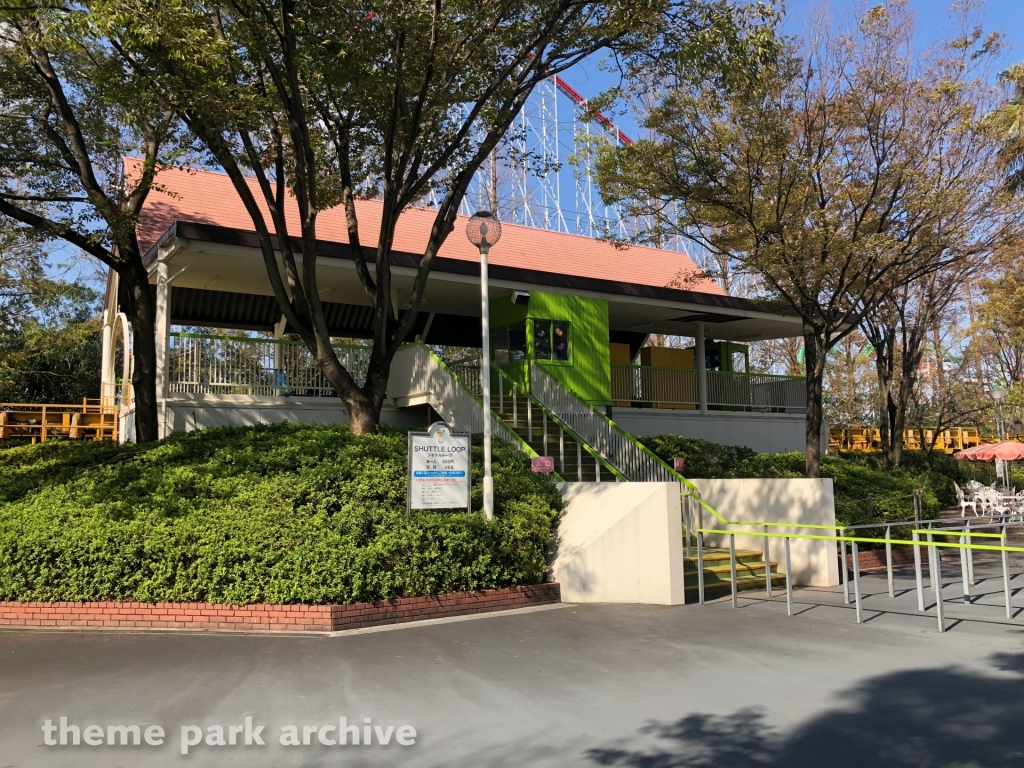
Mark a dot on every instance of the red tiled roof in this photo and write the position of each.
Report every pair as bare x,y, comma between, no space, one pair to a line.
207,197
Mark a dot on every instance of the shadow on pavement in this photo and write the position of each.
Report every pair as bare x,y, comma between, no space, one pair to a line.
928,717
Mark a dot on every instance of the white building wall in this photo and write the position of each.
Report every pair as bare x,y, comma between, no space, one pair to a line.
620,543
778,500
762,432
183,413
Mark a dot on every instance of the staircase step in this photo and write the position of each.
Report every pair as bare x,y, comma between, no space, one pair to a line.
722,588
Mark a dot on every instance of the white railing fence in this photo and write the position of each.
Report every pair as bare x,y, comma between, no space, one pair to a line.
236,365
758,391
618,448
666,387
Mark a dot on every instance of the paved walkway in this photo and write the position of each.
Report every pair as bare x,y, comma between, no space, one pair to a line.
575,686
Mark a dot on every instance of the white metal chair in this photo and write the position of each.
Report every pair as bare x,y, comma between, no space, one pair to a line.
964,502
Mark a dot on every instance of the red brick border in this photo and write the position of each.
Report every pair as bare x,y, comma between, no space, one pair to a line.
279,618
875,558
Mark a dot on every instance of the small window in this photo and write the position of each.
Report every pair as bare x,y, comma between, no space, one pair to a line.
551,340
739,362
560,340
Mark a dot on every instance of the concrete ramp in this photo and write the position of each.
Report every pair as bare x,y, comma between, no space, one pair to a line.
620,543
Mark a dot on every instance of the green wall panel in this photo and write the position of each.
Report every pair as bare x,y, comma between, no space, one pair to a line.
587,373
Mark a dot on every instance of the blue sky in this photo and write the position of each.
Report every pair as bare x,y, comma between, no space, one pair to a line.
1006,16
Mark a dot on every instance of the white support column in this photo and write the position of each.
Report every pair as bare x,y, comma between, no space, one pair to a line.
702,369
163,327
107,358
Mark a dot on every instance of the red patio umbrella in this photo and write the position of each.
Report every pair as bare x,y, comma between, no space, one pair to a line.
1007,451
970,454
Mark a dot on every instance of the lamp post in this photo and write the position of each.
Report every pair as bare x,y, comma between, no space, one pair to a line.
999,395
483,231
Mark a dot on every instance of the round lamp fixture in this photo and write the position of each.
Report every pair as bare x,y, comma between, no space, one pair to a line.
998,394
483,229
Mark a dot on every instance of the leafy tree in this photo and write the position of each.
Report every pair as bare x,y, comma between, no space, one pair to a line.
325,103
49,328
1001,320
70,113
828,174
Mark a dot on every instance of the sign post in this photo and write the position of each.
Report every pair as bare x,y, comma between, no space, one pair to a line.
439,469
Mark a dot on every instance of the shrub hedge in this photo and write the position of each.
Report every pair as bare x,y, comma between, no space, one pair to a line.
855,475
280,514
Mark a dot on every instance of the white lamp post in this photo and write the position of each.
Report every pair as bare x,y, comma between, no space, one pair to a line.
999,395
483,231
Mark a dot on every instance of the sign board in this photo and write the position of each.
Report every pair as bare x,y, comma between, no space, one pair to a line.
543,463
439,473
679,464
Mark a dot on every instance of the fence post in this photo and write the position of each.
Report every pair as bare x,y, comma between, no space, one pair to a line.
970,555
789,581
700,555
767,565
856,579
1006,574
544,425
963,571
938,586
561,451
846,570
732,568
687,528
917,571
888,558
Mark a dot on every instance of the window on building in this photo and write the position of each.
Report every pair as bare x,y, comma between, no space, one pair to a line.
739,362
551,340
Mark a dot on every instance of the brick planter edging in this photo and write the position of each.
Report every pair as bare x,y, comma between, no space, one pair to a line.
267,617
875,558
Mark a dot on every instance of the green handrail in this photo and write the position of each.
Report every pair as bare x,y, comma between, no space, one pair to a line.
866,540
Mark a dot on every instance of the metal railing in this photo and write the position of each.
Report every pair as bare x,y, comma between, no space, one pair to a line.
965,533
508,388
622,450
675,387
239,365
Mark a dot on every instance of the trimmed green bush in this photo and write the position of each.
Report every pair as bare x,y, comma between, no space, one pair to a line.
279,514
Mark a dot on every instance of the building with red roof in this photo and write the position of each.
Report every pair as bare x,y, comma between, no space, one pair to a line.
196,233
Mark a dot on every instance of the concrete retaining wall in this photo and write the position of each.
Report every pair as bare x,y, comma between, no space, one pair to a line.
620,543
784,500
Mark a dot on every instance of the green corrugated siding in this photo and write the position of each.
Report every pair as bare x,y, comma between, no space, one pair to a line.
588,372
504,312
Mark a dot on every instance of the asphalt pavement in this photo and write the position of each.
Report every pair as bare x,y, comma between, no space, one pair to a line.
584,685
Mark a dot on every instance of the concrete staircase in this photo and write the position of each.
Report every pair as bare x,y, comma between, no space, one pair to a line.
572,461
750,573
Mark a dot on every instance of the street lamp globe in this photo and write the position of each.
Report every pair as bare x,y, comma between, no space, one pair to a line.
483,229
998,394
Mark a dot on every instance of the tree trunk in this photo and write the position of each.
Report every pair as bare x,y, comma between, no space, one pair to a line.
142,312
814,355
